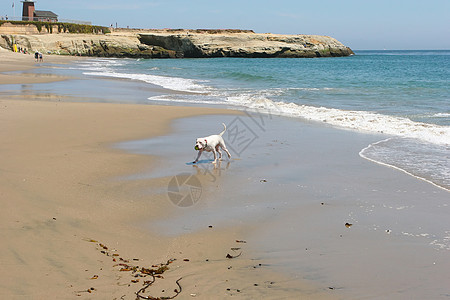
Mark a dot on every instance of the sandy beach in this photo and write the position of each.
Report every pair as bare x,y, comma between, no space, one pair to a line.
68,222
91,208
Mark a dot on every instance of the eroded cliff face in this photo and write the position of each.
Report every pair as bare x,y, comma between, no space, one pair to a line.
86,45
247,45
179,44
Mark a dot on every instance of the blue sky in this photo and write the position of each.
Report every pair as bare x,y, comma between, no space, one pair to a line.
359,24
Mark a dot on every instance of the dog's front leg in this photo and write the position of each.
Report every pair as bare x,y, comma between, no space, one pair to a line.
220,152
198,156
215,156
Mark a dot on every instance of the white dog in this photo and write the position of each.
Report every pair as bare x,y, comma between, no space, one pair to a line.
212,143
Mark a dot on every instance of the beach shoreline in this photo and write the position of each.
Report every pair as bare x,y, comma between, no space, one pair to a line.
62,207
89,185
320,213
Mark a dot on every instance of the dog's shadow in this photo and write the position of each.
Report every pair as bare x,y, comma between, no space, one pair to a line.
203,161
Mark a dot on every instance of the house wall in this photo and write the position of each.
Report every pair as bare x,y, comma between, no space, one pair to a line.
45,19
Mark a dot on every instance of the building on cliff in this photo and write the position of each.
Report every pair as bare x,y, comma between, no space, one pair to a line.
28,10
45,16
30,14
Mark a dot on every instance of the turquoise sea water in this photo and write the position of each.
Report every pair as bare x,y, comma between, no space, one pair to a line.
403,94
412,84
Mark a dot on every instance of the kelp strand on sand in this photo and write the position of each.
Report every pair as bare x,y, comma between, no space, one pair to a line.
142,290
155,271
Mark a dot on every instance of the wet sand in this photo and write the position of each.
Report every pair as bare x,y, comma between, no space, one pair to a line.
71,219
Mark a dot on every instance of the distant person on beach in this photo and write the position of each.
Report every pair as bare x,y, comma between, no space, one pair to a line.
40,57
36,55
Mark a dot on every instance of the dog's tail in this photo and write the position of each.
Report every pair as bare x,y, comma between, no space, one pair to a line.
225,129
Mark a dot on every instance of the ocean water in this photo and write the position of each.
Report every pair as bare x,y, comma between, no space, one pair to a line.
402,94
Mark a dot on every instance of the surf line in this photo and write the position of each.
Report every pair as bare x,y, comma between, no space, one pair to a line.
361,153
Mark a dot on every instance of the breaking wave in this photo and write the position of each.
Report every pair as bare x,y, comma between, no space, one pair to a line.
172,83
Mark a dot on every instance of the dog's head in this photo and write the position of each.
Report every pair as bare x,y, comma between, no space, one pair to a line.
200,144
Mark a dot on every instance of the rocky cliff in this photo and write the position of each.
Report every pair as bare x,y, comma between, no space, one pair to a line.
179,43
245,44
86,45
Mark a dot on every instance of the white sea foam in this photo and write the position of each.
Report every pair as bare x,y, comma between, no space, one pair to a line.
442,115
180,99
357,120
425,161
313,89
101,64
172,83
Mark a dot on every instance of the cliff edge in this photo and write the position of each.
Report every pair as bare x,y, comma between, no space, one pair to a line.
179,44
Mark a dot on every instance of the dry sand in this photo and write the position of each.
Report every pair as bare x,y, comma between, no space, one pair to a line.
61,197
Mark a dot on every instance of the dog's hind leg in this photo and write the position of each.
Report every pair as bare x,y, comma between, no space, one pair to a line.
222,145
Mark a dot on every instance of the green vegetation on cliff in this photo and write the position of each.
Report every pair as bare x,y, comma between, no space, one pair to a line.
62,27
